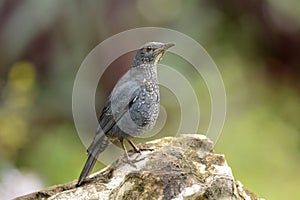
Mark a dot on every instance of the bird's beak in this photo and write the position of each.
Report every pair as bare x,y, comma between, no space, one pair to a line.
162,50
167,45
164,47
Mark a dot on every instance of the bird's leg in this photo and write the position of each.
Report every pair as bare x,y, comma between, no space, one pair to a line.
126,154
124,148
135,148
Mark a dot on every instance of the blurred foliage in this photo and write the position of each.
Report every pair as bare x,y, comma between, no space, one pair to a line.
254,43
18,99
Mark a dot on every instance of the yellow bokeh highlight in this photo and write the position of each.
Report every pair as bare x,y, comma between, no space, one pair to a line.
13,130
22,76
18,101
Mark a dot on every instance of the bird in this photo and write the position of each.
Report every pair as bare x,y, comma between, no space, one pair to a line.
132,107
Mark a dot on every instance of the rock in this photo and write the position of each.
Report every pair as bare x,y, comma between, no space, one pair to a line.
183,167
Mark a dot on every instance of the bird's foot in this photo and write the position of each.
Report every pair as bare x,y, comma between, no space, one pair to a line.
144,149
131,161
128,161
137,149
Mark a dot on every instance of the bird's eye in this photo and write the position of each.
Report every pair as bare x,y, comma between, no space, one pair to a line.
149,49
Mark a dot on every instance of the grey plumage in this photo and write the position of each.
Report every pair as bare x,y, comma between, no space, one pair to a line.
132,107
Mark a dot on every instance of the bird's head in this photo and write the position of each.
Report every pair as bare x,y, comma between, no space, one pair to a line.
152,52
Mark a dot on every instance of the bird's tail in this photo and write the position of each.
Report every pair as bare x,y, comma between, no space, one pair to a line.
87,168
98,145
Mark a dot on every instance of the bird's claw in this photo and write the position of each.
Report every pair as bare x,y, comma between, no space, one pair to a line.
126,160
145,149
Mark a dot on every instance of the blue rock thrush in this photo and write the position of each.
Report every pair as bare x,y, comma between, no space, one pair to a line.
132,107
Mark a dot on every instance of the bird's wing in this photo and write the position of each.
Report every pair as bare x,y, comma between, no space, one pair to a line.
108,120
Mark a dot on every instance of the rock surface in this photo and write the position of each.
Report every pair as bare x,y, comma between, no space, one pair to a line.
183,167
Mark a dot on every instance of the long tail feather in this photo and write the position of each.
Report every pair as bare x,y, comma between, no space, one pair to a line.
98,146
87,168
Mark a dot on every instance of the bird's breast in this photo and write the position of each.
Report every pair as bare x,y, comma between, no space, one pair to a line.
145,109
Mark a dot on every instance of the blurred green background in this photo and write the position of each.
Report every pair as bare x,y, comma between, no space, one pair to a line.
255,44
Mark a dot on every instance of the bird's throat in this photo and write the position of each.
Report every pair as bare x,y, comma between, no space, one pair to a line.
159,57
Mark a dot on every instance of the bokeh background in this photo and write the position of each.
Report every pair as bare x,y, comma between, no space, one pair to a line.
255,43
